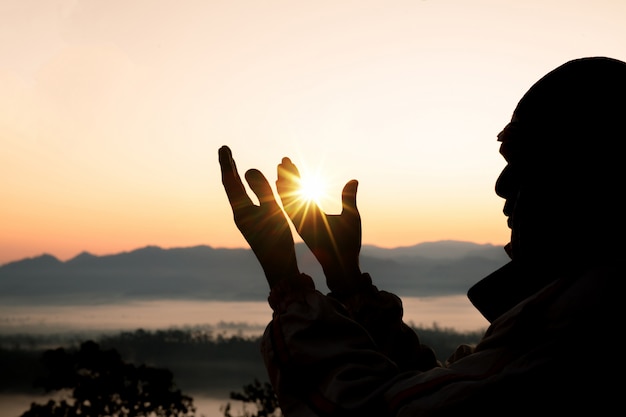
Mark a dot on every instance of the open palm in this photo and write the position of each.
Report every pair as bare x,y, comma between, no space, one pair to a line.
265,227
334,239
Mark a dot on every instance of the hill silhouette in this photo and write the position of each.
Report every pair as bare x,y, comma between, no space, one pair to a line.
207,273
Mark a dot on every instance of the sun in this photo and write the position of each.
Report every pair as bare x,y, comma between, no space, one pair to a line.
312,188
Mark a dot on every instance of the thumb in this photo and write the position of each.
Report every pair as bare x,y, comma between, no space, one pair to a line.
348,196
260,186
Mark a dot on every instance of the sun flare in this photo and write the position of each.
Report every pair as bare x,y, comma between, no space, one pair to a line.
312,188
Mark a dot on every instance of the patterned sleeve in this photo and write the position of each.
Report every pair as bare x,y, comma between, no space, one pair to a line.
326,357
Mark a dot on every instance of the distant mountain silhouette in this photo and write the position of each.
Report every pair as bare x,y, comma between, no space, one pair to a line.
207,273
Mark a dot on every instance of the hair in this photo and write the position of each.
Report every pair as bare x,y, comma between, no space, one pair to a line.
577,110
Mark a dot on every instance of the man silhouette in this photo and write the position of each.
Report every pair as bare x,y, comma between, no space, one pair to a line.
552,344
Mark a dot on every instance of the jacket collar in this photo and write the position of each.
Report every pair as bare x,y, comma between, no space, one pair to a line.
501,290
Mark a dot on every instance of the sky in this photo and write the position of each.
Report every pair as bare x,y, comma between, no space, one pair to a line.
112,112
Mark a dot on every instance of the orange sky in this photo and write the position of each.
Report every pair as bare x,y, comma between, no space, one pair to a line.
111,113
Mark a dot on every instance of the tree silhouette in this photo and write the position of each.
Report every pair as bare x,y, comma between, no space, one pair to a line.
102,384
261,395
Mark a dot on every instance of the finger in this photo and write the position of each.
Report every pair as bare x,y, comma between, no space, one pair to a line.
288,177
348,197
288,184
261,187
236,192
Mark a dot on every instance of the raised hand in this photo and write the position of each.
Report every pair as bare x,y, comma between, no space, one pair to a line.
335,240
265,227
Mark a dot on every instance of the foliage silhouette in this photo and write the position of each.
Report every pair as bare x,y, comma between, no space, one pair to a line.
261,395
102,384
203,362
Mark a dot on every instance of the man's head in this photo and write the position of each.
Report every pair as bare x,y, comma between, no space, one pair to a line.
564,172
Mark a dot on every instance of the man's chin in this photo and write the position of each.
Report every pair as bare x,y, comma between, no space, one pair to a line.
508,248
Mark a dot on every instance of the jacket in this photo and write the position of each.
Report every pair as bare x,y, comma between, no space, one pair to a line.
550,349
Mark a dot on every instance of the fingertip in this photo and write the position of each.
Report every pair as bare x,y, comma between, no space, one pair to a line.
257,180
351,187
348,196
252,175
287,171
260,186
224,153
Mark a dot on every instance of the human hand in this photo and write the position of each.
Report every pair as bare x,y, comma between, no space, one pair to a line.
335,240
265,227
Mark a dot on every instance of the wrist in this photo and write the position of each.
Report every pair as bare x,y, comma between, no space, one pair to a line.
346,271
290,290
276,275
345,286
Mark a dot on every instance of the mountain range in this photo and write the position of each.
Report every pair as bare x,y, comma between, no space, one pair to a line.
208,273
